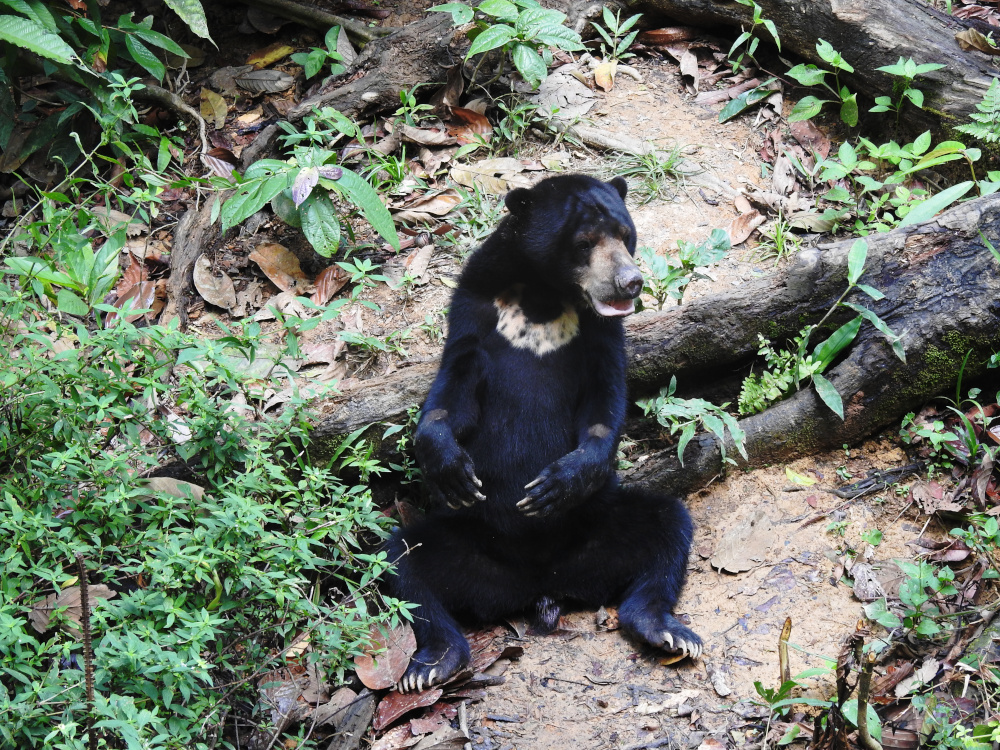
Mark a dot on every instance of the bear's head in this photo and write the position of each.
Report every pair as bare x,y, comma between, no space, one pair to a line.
577,235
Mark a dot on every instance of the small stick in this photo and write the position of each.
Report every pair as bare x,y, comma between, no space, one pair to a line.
463,723
784,668
88,651
864,686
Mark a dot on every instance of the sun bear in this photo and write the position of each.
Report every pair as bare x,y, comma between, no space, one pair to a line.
518,437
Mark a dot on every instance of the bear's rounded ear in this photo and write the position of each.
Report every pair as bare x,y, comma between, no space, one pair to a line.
619,184
517,200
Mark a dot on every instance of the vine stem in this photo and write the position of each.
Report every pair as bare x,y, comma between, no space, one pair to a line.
88,650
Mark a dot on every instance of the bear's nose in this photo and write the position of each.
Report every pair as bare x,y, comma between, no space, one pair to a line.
629,281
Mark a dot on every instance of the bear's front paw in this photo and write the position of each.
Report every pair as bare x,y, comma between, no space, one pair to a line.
559,487
455,484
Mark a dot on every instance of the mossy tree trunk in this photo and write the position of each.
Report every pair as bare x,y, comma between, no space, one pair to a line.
942,287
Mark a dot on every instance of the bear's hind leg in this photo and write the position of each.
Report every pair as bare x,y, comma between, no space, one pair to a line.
647,607
441,567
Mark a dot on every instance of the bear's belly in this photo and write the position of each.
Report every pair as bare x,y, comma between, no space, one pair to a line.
526,421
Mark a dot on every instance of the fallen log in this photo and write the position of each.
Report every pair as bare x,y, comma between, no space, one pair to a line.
942,288
416,54
868,35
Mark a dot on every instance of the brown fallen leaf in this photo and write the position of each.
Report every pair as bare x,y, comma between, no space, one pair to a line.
810,137
396,738
395,705
438,717
131,276
471,127
449,95
689,67
668,35
384,670
330,281
269,55
41,612
745,545
972,39
214,108
445,738
146,295
742,226
333,710
425,136
281,266
265,81
216,290
604,74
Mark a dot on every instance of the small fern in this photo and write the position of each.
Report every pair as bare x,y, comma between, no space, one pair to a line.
985,123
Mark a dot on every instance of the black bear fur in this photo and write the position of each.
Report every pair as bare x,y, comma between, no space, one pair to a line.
517,440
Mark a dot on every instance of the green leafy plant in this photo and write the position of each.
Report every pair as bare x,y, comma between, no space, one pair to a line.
653,173
748,39
521,29
811,75
667,277
686,416
83,60
923,582
878,173
904,72
616,35
791,369
745,100
211,578
778,241
312,62
305,183
518,116
985,123
410,109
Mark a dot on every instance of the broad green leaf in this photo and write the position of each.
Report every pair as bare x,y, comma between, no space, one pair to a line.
502,9
929,208
806,108
850,712
529,64
32,36
801,479
320,223
145,57
745,100
559,36
827,351
41,13
922,143
686,434
461,14
71,304
849,110
250,197
838,195
829,394
871,291
284,207
364,197
493,37
163,42
808,75
882,326
192,14
533,19
856,258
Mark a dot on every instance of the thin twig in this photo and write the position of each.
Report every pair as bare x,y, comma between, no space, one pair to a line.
88,650
864,686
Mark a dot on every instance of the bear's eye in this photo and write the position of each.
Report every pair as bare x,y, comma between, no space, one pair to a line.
626,235
582,246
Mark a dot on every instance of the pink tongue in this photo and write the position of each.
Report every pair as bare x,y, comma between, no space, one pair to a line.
615,307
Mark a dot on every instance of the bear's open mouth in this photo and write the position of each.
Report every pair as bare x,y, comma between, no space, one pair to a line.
613,308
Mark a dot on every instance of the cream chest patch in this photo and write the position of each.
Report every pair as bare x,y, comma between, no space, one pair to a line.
538,338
